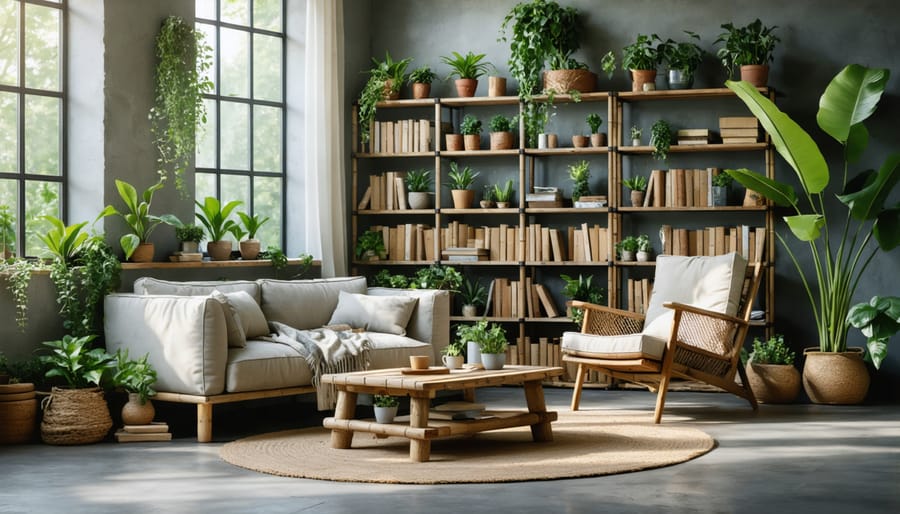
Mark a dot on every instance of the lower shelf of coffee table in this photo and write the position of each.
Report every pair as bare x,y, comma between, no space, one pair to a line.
491,420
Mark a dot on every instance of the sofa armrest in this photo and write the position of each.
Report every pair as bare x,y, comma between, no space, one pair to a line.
185,338
430,320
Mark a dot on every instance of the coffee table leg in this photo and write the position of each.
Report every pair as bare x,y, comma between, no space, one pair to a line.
345,409
534,396
419,449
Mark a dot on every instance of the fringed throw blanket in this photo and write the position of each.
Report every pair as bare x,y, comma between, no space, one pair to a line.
326,351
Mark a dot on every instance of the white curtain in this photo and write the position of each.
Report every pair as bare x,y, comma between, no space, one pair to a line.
323,164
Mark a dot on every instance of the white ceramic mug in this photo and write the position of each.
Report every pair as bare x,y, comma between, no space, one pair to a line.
453,361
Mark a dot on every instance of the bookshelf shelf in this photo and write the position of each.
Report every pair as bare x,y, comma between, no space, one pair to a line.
711,147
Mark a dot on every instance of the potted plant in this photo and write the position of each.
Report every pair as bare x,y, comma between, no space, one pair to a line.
638,186
437,276
721,185
385,80
370,245
487,196
473,295
579,172
626,248
771,372
248,228
18,405
7,232
868,225
470,128
581,288
76,414
683,59
385,408
501,132
421,79
453,355
136,377
642,58
636,133
137,245
459,183
418,182
179,109
503,194
598,139
491,341
190,236
580,141
660,139
643,248
215,219
467,69
751,48
568,75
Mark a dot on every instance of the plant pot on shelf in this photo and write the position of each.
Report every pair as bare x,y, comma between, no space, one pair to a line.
496,86
642,256
190,247
219,250
502,205
838,378
598,140
462,198
136,413
641,77
579,141
552,141
249,249
75,416
637,198
388,93
466,87
493,360
678,79
454,142
486,204
385,415
421,90
143,253
419,200
472,142
636,141
756,74
720,196
469,311
563,81
773,383
627,256
501,140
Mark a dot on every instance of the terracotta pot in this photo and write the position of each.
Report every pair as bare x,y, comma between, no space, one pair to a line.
143,253
838,378
466,87
563,81
388,94
501,140
579,141
421,90
454,142
136,413
773,383
552,141
462,198
18,413
419,200
637,198
756,74
496,86
250,249
219,250
472,142
598,140
641,77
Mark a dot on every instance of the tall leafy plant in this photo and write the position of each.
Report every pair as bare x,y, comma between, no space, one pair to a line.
181,82
843,246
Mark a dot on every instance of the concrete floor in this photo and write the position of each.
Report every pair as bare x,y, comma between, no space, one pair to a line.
794,458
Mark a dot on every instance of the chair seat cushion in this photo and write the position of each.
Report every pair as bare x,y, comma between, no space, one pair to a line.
629,346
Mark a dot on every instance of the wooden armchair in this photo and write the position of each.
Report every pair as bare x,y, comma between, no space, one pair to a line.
692,340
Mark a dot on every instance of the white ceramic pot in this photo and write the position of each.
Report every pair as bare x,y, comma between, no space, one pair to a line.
385,414
473,353
469,311
493,360
643,256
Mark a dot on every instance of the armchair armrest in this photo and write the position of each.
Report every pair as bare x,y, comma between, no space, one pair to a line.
607,321
712,333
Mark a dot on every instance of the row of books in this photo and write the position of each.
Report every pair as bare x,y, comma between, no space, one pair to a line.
535,243
680,187
637,292
386,192
743,239
513,299
401,136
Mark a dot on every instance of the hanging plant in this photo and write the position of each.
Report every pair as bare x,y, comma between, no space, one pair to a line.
19,272
179,111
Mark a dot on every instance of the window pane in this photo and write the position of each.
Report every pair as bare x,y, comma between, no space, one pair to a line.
9,42
205,185
267,138
235,142
206,139
209,38
205,9
41,199
267,195
42,47
42,135
9,207
236,11
267,14
267,68
9,137
235,62
236,187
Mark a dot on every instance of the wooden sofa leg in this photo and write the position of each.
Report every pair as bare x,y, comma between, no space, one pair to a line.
204,422
579,383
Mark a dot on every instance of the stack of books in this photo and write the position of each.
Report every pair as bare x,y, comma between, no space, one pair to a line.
155,431
544,196
591,202
466,254
694,137
457,411
739,130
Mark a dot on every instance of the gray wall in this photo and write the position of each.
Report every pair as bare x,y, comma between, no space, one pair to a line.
817,39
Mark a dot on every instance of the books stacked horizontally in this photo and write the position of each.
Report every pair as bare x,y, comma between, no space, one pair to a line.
591,202
466,254
544,196
459,410
694,137
739,129
155,431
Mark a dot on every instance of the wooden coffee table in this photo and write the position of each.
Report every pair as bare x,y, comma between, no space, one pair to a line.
422,388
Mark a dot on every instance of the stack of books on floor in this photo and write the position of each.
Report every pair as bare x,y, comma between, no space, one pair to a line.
155,431
739,129
457,411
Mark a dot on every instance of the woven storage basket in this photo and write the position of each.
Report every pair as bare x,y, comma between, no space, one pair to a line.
75,416
563,81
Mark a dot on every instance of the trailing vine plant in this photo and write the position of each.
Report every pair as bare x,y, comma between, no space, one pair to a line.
179,111
19,277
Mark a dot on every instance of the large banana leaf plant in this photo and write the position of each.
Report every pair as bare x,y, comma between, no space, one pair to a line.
840,251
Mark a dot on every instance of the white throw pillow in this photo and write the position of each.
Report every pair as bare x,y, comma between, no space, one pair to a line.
251,315
236,336
386,314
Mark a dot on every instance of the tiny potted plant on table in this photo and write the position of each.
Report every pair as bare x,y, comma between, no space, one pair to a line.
473,295
421,79
683,59
626,248
251,224
501,132
136,377
503,194
453,355
751,48
470,128
459,183
594,121
189,236
418,182
638,186
468,69
771,372
642,58
580,172
370,246
137,245
215,219
385,408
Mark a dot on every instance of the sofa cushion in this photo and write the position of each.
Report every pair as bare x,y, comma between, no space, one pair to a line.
630,346
430,321
150,285
236,335
264,365
305,304
388,314
393,351
251,315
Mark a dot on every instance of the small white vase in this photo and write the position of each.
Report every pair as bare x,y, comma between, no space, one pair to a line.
643,256
473,353
469,311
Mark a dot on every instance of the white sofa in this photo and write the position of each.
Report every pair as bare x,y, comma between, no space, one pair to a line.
193,340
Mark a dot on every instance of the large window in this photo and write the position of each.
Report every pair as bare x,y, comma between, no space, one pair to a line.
32,110
240,154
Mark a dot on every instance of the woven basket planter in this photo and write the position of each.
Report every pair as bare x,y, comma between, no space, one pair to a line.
75,416
563,81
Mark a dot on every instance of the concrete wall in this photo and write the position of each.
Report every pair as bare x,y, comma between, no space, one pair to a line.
817,39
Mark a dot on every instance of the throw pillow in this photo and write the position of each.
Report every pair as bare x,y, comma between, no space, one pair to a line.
236,336
252,318
387,314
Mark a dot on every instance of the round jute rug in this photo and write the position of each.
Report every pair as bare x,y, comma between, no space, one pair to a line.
585,443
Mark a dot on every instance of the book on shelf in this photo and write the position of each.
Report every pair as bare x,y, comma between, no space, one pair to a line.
718,240
401,136
694,136
738,122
